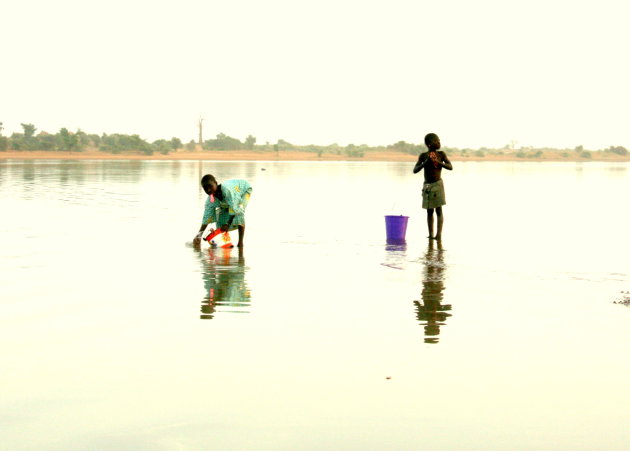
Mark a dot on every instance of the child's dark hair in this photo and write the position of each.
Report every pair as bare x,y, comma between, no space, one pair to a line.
430,140
206,179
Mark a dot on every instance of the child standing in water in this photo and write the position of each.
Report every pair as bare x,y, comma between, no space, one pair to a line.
433,195
225,205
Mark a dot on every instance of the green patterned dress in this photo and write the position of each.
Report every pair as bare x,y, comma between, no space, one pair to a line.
236,193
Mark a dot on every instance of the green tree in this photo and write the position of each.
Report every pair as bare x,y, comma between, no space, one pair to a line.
95,140
108,144
176,143
4,141
68,141
250,141
283,145
334,148
409,148
29,142
116,143
355,151
29,130
82,138
163,146
46,141
16,141
223,142
191,145
619,150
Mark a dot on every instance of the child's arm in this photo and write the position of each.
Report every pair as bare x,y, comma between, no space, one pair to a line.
197,238
445,163
209,216
420,163
226,227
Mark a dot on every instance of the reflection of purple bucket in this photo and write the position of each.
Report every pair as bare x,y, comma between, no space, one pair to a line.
396,228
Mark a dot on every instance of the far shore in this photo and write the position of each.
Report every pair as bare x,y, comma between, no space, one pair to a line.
262,155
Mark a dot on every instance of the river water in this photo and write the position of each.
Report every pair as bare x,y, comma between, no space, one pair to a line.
117,334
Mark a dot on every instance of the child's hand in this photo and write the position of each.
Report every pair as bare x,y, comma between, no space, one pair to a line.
434,158
225,228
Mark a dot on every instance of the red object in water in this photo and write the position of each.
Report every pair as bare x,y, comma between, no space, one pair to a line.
212,235
226,238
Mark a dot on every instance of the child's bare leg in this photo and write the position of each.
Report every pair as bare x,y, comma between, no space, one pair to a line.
241,234
430,222
440,223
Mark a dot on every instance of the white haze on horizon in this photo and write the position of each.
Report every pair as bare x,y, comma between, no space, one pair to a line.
539,73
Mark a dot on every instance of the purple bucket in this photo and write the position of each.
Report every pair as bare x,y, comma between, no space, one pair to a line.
396,228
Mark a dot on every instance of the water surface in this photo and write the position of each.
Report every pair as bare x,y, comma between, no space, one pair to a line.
117,334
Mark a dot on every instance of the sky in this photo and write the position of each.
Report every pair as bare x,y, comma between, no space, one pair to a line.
479,73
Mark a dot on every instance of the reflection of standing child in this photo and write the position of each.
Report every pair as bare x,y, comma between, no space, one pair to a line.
433,195
225,205
431,312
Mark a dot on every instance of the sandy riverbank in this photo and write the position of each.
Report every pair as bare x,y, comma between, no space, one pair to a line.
259,155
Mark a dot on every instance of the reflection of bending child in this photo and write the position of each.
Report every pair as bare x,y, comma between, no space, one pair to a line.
225,282
433,196
225,205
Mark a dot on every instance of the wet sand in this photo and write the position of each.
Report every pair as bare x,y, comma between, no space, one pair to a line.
262,155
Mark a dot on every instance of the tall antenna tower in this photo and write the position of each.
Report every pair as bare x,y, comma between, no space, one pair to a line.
200,131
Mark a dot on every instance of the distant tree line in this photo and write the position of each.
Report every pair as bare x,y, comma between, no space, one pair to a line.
78,141
618,150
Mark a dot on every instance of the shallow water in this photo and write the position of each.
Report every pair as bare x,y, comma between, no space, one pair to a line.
117,334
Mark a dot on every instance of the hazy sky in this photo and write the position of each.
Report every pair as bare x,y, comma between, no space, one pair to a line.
478,73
